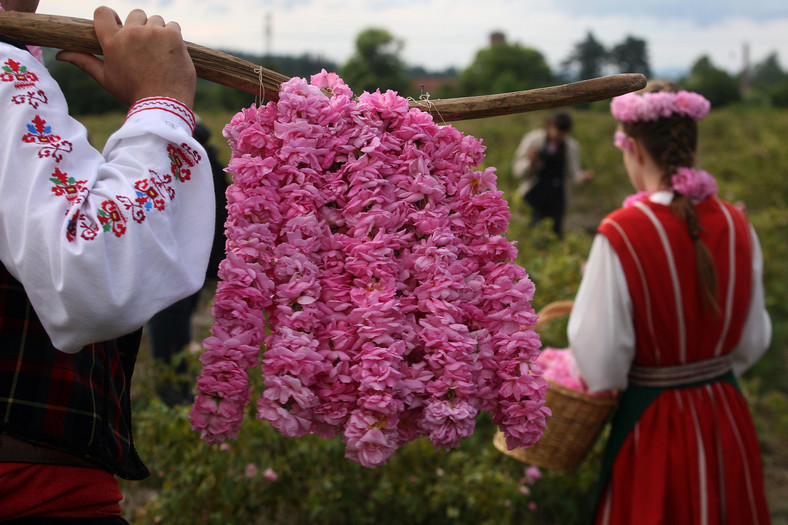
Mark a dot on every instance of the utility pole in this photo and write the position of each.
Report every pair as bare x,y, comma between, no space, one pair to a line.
746,73
268,35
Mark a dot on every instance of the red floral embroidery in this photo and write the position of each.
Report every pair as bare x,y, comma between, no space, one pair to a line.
111,218
182,159
51,145
13,71
137,210
74,190
34,98
152,193
81,223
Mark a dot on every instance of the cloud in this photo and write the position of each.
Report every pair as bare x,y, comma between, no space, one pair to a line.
285,5
701,13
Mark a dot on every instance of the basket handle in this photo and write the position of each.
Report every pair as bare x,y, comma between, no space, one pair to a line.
553,310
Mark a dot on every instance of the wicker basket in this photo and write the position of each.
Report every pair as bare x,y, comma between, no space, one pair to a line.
576,422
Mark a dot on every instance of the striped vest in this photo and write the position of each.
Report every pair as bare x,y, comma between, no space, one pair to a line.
658,258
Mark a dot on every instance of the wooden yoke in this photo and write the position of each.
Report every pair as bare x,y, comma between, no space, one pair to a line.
77,34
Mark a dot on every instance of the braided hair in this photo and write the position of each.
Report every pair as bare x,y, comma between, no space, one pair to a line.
672,142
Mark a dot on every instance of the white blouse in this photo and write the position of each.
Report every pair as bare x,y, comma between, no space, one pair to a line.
601,328
101,242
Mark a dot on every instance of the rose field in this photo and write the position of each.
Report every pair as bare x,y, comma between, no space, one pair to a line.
263,477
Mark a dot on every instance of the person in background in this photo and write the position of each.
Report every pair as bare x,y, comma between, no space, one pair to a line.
170,331
669,311
92,245
547,161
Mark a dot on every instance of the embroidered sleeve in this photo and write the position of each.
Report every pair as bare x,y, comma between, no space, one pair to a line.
100,241
169,105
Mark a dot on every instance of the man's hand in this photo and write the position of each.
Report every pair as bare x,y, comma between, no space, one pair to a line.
142,58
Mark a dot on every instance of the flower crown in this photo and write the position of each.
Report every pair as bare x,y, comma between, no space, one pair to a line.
633,107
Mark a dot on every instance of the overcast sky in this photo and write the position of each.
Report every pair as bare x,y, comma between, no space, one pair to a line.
442,33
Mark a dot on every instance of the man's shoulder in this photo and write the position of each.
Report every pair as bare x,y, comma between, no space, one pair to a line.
533,137
536,133
572,143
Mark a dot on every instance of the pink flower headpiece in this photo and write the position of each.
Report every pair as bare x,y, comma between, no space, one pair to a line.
621,140
694,183
660,104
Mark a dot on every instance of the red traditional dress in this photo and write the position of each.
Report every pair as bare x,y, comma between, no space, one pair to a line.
683,448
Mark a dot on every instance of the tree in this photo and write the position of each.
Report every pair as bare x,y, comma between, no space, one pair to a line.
376,63
589,56
304,65
768,74
713,83
502,68
779,95
631,56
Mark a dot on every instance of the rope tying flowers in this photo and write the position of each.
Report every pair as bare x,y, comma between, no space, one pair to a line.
367,255
634,107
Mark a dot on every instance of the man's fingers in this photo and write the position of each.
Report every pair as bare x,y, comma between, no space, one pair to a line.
136,17
156,20
105,22
88,63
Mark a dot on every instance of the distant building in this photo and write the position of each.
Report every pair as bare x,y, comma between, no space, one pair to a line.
430,84
497,38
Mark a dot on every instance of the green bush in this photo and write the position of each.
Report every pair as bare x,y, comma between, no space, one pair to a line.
263,477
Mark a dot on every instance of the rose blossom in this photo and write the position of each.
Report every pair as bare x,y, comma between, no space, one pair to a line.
366,257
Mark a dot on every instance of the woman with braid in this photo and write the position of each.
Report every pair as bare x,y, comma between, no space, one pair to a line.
670,310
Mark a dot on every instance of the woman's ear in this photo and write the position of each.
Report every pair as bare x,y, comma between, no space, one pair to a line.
636,149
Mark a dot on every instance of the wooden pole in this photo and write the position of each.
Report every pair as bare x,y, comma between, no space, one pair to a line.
77,34
466,108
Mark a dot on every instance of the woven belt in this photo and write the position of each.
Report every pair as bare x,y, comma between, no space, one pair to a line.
13,450
678,375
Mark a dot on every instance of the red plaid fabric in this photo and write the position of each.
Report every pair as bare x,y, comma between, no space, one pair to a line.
75,402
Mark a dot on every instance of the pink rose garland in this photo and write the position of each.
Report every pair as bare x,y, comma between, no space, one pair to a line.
368,257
